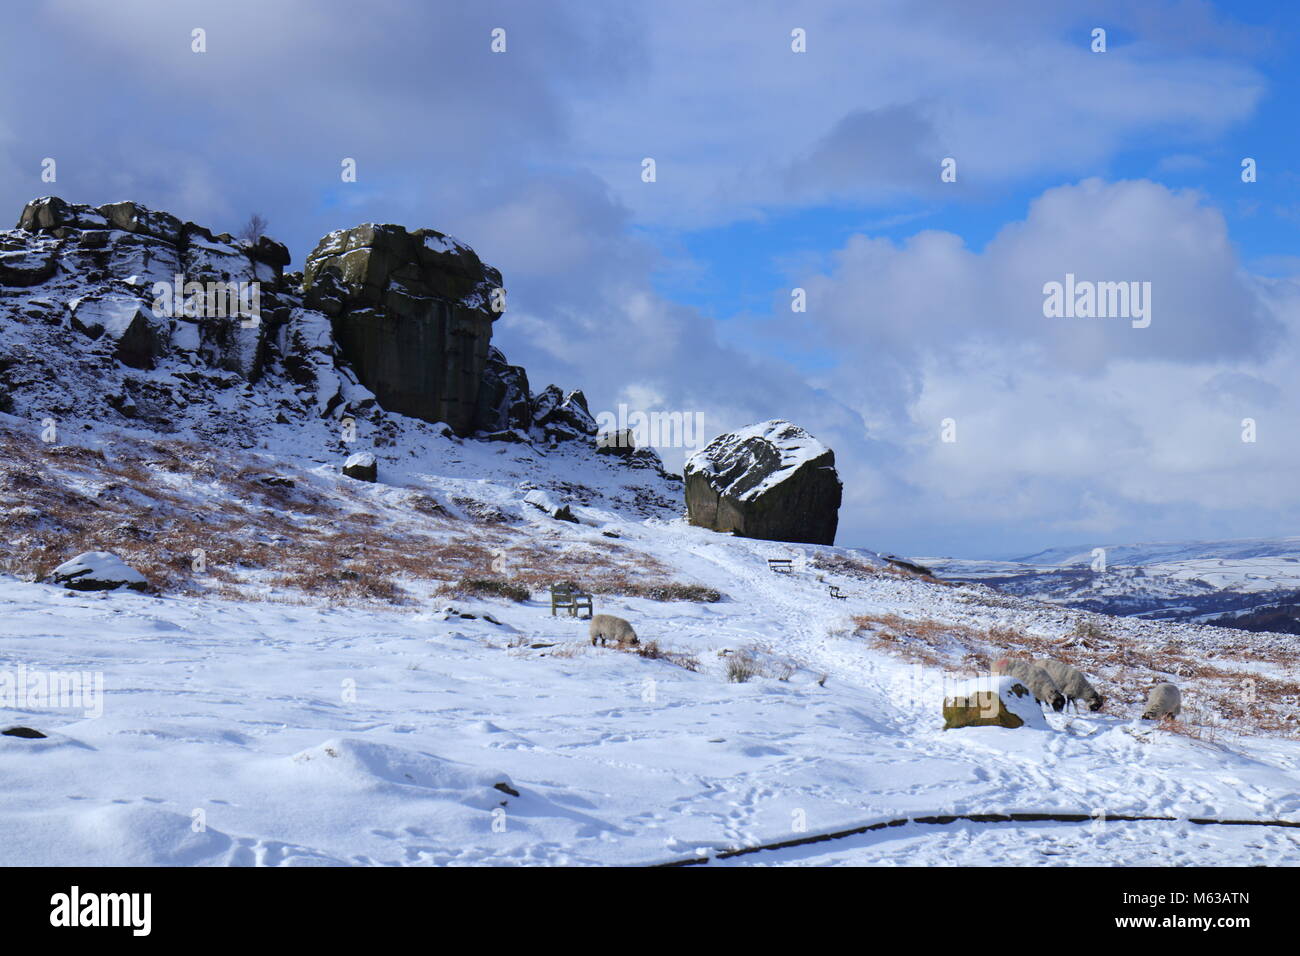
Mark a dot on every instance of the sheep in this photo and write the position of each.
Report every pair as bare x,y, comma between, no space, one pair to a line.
607,626
1038,681
1165,700
1073,684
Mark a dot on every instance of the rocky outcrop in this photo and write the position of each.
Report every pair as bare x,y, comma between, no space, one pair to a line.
127,253
504,402
621,443
412,315
119,311
25,262
563,417
130,324
771,480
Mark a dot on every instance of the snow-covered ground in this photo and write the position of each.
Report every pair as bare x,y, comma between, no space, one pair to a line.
263,733
310,678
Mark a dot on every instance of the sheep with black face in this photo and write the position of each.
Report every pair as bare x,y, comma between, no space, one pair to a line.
1038,681
1073,684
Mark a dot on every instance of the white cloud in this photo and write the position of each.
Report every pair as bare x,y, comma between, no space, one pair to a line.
1068,426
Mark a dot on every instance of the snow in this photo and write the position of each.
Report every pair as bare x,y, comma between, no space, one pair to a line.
437,243
362,459
305,735
617,759
730,459
541,500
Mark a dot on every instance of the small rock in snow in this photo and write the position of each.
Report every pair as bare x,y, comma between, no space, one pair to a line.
97,571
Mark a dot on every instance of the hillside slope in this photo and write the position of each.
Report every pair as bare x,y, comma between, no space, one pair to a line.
312,727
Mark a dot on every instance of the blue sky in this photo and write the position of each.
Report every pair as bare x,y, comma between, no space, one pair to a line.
741,264
776,170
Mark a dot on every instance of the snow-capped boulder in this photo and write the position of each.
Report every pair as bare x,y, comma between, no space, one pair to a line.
542,502
414,316
771,480
131,217
97,571
561,416
996,701
362,466
126,322
24,263
621,443
50,213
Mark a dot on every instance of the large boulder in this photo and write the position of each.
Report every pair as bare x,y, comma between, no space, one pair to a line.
362,466
412,313
771,480
127,322
997,701
28,262
50,213
616,441
132,217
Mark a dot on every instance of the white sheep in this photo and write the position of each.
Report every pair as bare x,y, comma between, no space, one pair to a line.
1038,681
609,627
1165,700
1073,684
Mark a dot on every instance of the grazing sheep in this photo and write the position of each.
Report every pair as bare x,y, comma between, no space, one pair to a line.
1165,700
1038,681
1073,684
607,626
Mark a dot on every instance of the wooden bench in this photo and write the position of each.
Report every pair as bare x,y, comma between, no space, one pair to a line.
569,597
780,565
835,593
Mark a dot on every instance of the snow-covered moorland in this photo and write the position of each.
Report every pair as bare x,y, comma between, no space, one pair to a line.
349,679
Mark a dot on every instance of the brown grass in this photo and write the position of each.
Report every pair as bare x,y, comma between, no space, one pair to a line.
651,650
1219,694
154,503
743,666
485,587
